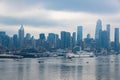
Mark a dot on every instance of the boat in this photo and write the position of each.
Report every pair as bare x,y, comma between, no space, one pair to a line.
84,54
71,55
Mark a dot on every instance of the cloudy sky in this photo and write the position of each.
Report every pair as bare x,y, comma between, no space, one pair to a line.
46,16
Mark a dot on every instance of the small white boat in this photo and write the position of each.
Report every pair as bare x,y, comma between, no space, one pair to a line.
71,55
85,54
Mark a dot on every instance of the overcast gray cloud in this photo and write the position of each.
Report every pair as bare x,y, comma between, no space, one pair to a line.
27,21
51,13
14,9
93,6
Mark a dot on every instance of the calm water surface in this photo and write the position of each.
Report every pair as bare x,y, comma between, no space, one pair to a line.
98,68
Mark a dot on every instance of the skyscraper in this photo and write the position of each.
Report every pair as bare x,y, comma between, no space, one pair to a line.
108,36
98,33
4,39
41,41
28,36
79,35
73,39
98,29
15,41
104,39
33,42
56,41
27,41
42,36
2,36
68,39
21,36
65,39
51,40
116,39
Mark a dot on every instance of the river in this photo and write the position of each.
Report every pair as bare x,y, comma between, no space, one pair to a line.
52,68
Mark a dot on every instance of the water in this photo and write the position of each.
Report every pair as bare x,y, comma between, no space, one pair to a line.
98,68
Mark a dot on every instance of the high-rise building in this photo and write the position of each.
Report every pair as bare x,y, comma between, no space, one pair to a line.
42,36
108,36
4,39
41,41
2,36
79,35
88,36
88,41
15,41
51,40
116,39
33,42
98,34
98,29
28,41
28,36
68,39
65,39
73,39
56,41
21,36
2,33
104,39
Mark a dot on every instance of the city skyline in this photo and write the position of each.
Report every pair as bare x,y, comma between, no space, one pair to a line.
98,23
42,16
65,40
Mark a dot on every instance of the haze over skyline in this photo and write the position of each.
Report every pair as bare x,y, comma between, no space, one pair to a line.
44,16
